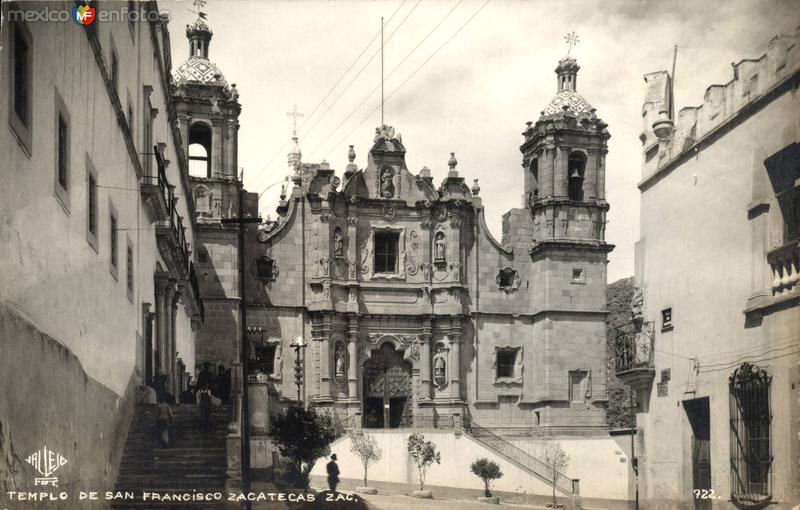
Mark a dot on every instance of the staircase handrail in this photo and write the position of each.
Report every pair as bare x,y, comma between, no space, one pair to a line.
537,466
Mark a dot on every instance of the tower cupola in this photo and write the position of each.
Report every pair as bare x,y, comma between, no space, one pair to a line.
199,35
567,72
563,157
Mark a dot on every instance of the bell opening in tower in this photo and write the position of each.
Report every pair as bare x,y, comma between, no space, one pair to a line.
576,167
200,150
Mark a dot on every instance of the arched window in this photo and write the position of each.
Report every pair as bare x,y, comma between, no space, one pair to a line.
534,185
200,150
576,167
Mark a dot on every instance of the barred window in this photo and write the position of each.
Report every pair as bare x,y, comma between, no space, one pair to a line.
751,454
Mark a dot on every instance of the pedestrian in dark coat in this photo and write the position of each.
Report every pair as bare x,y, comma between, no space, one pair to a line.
333,473
205,381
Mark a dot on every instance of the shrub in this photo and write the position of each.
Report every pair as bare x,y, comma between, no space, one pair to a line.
302,436
487,471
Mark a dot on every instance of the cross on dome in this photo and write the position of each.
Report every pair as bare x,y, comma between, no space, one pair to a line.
294,114
572,41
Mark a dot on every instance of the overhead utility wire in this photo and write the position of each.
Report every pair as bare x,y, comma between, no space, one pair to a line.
384,78
286,143
361,71
412,74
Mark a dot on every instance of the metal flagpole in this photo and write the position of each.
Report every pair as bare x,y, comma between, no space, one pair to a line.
381,70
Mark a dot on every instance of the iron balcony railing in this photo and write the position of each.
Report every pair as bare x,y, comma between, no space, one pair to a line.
564,484
633,350
160,178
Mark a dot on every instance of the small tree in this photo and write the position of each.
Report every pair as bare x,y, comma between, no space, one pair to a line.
487,471
557,462
423,453
303,436
367,449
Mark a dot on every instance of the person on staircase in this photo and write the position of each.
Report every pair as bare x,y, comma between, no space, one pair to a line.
205,383
164,421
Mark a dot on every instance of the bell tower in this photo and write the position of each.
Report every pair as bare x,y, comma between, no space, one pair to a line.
563,158
208,111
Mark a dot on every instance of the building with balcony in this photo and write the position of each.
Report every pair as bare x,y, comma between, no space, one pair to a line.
712,349
98,293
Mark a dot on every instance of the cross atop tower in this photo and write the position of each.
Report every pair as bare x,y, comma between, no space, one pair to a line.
198,4
572,40
294,114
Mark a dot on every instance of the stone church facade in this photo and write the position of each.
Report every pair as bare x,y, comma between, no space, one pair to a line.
406,310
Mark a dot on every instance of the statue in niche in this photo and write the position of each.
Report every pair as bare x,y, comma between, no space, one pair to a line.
338,244
339,361
439,369
387,186
439,248
637,303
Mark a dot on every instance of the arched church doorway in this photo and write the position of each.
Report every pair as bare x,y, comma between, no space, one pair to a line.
387,389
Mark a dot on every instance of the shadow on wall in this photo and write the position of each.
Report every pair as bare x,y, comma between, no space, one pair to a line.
55,404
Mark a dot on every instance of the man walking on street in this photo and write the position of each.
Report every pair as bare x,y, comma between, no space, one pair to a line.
333,473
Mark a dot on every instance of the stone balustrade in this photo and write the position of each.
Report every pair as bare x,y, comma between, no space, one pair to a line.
785,261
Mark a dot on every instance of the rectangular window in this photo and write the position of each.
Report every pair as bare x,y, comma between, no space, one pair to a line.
666,318
133,7
506,360
21,85
577,386
20,66
114,247
784,175
578,275
62,153
91,205
130,116
129,271
386,248
63,140
114,68
265,358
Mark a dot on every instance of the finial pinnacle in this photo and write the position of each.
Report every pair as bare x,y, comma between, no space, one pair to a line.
452,162
572,39
351,154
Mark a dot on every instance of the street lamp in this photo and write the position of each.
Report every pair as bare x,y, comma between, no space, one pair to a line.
298,344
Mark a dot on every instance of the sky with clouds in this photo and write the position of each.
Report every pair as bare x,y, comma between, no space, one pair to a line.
464,77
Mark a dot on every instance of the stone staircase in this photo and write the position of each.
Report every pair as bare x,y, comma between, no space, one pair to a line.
522,459
194,462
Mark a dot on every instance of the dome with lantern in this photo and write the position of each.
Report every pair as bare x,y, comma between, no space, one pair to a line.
567,98
198,69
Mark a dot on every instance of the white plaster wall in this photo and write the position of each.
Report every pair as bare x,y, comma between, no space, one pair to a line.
48,270
699,257
596,458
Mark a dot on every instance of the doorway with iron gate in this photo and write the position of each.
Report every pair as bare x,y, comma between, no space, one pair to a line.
387,389
699,415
